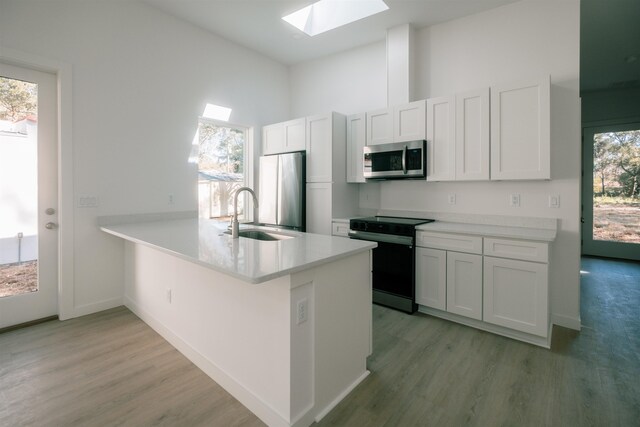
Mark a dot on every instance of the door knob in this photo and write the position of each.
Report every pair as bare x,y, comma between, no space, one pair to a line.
50,225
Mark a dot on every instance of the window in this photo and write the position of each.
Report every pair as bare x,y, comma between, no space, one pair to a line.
223,163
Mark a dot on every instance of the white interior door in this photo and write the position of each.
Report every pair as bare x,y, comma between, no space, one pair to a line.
28,195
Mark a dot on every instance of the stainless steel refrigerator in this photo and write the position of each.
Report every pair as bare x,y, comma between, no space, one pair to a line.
282,190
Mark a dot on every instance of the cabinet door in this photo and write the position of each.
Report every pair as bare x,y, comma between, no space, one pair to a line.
356,139
464,284
319,208
409,122
272,139
295,135
515,295
441,154
520,131
472,135
319,148
431,278
380,126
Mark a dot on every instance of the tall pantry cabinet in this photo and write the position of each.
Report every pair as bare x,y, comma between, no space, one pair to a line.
328,194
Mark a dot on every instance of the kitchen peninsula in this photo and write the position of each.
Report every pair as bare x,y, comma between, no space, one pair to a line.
283,325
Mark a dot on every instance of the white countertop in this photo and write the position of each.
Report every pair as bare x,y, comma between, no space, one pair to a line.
526,233
254,261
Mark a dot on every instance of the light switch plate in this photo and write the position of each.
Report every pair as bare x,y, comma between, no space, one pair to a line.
88,201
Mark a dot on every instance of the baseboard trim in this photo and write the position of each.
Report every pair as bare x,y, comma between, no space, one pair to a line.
566,321
252,402
341,396
83,310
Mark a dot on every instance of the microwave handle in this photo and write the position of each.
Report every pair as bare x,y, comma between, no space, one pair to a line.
404,160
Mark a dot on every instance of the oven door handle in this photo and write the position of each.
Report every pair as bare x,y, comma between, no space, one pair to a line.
404,160
384,238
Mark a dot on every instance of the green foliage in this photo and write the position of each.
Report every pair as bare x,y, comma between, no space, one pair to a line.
616,159
221,148
17,99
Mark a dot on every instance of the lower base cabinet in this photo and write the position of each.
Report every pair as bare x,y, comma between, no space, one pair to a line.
449,281
515,295
501,282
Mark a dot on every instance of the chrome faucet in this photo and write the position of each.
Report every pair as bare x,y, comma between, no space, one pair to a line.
235,226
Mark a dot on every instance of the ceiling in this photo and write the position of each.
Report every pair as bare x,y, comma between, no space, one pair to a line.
609,35
257,24
609,30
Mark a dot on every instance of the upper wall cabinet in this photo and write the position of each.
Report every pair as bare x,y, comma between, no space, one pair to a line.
326,136
379,126
284,137
520,130
397,124
441,154
409,121
458,137
356,140
472,135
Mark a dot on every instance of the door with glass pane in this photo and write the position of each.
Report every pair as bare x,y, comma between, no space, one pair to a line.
611,191
28,195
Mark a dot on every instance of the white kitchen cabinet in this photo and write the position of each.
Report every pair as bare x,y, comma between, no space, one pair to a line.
273,139
340,227
516,295
458,137
520,130
328,193
464,284
472,148
400,123
441,149
356,140
284,137
431,278
319,208
326,148
446,279
409,121
379,126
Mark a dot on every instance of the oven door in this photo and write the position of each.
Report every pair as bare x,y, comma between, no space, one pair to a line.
393,270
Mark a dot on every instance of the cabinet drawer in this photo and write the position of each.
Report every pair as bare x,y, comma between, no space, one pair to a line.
450,242
340,229
517,249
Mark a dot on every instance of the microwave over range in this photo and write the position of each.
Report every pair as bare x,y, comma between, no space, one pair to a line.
400,160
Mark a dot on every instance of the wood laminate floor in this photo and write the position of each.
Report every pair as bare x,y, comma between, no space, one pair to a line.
111,369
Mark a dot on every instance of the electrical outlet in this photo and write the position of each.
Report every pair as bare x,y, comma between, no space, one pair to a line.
554,201
168,294
302,311
170,199
514,200
452,199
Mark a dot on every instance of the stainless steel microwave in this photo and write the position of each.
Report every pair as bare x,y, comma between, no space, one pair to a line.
401,160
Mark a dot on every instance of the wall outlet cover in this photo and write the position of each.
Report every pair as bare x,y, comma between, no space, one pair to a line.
514,200
554,201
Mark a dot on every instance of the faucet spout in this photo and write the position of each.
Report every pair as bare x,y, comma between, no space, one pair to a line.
235,225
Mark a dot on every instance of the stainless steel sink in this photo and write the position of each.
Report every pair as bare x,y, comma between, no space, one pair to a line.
263,235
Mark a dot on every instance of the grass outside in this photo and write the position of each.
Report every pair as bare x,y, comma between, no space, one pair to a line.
616,219
18,278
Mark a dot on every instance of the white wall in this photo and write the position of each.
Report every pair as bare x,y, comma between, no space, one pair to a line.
524,40
140,80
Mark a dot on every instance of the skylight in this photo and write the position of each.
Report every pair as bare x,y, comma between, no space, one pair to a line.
213,111
326,15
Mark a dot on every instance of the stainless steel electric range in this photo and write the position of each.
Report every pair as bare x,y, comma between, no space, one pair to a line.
394,276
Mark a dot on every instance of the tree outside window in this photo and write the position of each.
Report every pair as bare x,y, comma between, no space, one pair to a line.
220,168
